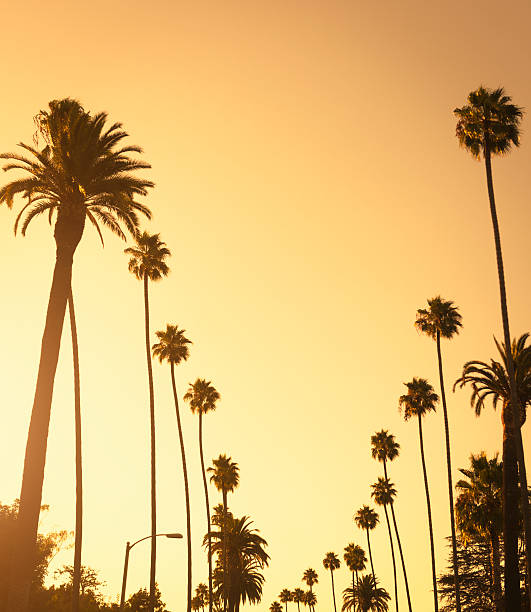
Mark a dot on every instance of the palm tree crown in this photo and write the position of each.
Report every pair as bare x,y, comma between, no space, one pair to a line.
225,474
172,345
310,577
366,518
275,607
202,396
419,400
285,596
147,257
331,561
367,596
355,558
384,446
441,317
383,491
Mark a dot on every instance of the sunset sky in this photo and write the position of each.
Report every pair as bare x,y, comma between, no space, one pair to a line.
313,194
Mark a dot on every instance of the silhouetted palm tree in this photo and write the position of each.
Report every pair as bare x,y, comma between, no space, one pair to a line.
442,319
298,597
201,592
367,596
366,518
147,263
356,561
275,607
310,599
385,448
383,493
202,397
419,400
490,125
285,596
331,562
80,173
492,381
173,348
310,577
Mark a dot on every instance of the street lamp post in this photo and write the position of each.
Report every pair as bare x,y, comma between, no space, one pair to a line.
128,547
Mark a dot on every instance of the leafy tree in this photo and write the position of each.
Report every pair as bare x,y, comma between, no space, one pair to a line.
331,562
81,173
141,601
442,319
366,518
285,596
366,597
89,581
490,125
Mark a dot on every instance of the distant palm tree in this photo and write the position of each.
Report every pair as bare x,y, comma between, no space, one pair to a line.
196,603
367,596
173,348
385,448
225,476
356,561
492,381
442,319
275,607
285,596
202,397
419,400
310,599
383,493
201,591
490,125
331,562
81,173
366,518
310,577
298,597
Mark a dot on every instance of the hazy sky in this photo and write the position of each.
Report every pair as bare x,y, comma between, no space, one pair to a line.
313,194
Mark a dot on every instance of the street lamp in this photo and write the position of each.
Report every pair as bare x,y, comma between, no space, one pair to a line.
128,547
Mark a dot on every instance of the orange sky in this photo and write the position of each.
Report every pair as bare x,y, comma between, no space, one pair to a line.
311,189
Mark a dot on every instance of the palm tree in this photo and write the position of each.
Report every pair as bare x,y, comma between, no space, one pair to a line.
383,493
479,512
310,577
356,561
332,563
225,476
385,448
442,319
366,518
201,592
419,400
80,173
490,125
492,381
173,348
275,607
202,397
285,596
367,595
298,597
310,599
147,262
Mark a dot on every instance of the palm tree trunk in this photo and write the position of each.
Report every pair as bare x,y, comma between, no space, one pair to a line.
524,498
333,590
76,577
207,511
392,554
370,555
496,570
449,469
430,526
153,474
186,492
354,590
225,576
23,557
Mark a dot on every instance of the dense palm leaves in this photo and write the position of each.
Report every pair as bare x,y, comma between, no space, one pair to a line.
80,173
356,561
310,577
331,562
419,400
366,597
286,596
310,599
298,597
275,607
366,518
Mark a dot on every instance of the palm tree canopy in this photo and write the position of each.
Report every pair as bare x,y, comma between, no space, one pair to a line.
491,381
366,518
310,598
383,446
201,591
202,396
147,257
172,345
310,577
275,607
218,515
419,400
355,558
81,172
285,596
331,561
225,474
488,120
440,316
297,595
383,491
366,596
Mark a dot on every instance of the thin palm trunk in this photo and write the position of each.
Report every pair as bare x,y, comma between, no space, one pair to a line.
225,573
430,526
354,590
496,571
153,474
370,555
524,498
449,470
207,511
333,590
392,554
186,492
76,578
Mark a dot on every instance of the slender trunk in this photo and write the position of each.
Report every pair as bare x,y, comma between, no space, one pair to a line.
354,590
449,469
186,492
224,535
370,555
497,596
207,511
524,498
23,556
333,589
430,526
392,554
153,475
298,607
76,578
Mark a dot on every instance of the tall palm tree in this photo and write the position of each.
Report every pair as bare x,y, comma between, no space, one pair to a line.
298,597
367,595
490,125
356,561
383,492
81,173
492,381
202,397
310,577
479,512
147,263
331,562
419,400
285,596
173,348
442,320
226,476
385,448
310,599
366,518
275,607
